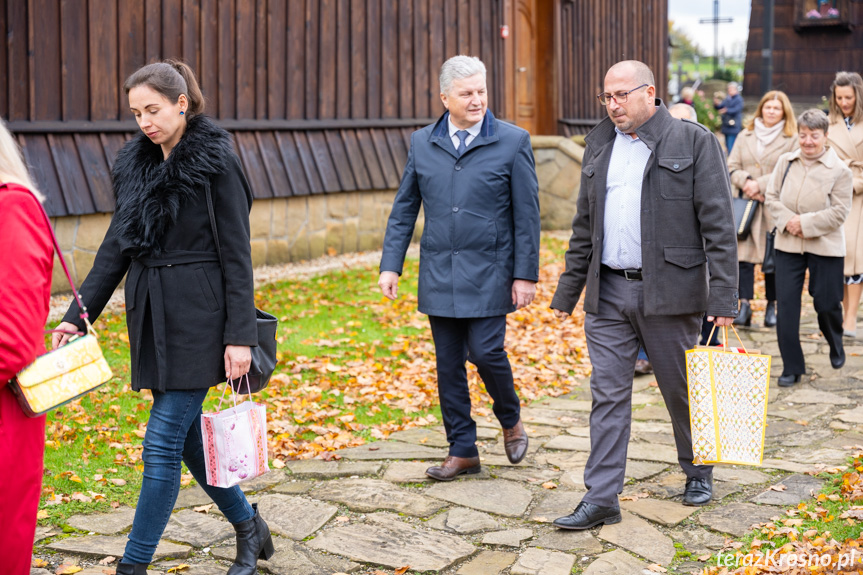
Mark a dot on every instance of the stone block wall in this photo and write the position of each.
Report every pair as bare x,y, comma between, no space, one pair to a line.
302,228
283,230
558,169
295,229
79,238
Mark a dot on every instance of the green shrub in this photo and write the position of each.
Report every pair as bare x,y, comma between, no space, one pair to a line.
726,74
707,114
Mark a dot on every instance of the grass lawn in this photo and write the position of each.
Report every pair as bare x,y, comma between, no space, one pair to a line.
353,367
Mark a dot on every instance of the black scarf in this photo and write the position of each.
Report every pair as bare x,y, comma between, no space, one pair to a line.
151,190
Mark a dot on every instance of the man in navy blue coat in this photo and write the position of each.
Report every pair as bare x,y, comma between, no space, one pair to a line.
479,254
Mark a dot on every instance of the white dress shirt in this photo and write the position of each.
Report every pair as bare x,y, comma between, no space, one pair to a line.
621,248
472,133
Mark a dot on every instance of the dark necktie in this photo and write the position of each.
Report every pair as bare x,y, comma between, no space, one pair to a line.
462,136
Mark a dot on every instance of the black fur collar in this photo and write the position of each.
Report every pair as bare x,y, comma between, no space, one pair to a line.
150,191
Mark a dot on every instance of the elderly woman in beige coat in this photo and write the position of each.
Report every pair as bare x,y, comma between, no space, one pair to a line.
845,136
809,196
768,135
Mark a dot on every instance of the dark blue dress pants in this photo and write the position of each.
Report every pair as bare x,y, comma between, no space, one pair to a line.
480,341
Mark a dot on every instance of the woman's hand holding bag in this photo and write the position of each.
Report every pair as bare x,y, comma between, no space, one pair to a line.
238,359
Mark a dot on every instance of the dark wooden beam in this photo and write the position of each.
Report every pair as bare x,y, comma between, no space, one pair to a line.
82,127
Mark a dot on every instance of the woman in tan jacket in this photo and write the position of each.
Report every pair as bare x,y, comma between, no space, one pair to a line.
845,136
768,135
809,196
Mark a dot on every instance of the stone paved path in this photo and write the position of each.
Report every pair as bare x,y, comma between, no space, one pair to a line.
375,509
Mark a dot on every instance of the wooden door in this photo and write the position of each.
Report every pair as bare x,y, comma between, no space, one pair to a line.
533,35
525,64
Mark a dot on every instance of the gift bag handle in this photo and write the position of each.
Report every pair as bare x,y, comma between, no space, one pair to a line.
230,383
725,338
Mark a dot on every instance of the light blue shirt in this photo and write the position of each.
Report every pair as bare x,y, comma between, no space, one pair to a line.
472,133
621,248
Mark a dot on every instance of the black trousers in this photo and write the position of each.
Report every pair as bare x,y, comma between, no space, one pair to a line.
746,283
480,341
826,288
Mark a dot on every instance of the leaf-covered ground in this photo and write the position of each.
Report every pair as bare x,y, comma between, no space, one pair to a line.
354,367
821,535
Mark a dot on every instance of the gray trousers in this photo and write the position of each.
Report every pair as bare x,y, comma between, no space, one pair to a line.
613,337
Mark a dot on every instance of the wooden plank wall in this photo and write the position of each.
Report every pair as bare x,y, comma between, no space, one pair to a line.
804,62
595,35
256,59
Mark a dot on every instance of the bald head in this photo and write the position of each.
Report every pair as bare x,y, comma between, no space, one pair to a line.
629,93
638,71
683,111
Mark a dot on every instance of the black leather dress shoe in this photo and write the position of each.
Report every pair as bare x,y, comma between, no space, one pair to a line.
588,515
838,360
698,492
788,380
454,466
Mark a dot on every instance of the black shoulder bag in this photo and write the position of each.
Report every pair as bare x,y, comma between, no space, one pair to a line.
744,215
768,264
264,354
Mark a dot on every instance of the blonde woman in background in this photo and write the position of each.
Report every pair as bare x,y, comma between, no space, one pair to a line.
767,135
845,136
25,289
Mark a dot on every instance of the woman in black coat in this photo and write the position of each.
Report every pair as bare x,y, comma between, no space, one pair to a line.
190,323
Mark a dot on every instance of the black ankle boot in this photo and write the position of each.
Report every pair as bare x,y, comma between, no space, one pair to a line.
130,569
253,542
744,316
770,314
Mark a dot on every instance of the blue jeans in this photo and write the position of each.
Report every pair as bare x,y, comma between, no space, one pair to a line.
173,436
729,141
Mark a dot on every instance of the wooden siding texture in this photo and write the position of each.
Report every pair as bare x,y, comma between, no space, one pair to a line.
256,59
594,36
321,95
73,170
805,60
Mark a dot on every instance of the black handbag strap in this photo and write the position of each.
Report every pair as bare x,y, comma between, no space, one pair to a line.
212,213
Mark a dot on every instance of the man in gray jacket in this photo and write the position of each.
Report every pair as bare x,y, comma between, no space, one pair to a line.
654,207
479,253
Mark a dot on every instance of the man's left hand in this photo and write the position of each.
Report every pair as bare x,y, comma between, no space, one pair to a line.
523,292
720,321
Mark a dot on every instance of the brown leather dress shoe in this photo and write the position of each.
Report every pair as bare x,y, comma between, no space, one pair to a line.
515,442
643,367
452,467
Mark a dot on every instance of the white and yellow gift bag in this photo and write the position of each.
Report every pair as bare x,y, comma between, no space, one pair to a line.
727,403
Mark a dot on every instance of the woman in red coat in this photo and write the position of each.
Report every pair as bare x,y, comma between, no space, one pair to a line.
25,289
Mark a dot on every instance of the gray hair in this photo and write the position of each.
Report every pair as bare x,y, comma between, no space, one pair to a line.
734,85
457,68
685,110
814,119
